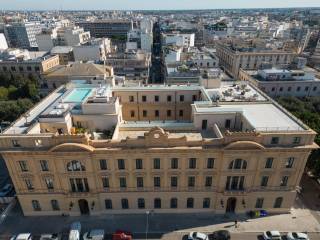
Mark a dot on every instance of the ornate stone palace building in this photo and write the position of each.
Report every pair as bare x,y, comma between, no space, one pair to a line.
89,149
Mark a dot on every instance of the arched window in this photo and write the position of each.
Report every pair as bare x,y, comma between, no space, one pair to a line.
173,203
238,164
157,203
75,166
278,202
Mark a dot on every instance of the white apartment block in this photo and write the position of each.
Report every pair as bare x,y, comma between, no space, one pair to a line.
179,39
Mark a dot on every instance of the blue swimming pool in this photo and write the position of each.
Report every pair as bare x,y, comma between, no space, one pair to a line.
78,95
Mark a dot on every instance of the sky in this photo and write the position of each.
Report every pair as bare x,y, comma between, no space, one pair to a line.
150,4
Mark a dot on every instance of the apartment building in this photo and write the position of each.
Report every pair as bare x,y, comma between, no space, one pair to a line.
284,82
233,58
133,65
78,153
179,39
22,35
93,50
107,28
65,36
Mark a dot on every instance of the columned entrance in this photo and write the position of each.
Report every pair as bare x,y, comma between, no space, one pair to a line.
84,207
231,205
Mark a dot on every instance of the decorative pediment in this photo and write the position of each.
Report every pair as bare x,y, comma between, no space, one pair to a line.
156,134
71,147
244,145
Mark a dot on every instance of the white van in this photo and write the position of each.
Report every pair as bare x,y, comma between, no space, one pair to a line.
75,231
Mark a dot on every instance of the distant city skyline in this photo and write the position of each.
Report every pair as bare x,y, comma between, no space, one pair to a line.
150,4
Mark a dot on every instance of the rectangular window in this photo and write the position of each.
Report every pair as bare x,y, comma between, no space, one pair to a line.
290,162
228,183
144,98
284,181
55,205
79,185
29,184
180,113
144,113
132,113
139,182
121,164
174,181
124,203
275,140
296,140
181,97
192,163
168,113
123,182
269,163
156,163
44,165
156,181
227,124
108,203
105,182
131,98
156,98
234,183
241,183
36,205
103,164
156,113
169,98
141,203
259,202
23,166
49,183
264,181
194,98
139,163
191,181
208,182
206,203
174,163
210,163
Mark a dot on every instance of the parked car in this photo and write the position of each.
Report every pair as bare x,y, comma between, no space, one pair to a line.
53,236
221,235
6,190
75,231
119,231
121,235
271,235
197,236
22,236
297,236
96,234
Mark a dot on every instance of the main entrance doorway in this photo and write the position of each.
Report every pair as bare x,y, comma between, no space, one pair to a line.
84,207
231,205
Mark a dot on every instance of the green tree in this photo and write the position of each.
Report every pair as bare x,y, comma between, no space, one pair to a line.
3,93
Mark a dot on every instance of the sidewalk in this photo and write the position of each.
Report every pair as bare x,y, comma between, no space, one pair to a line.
298,220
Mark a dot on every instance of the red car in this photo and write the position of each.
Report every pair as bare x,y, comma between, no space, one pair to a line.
122,235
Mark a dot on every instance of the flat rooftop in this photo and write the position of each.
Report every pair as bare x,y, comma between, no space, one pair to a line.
176,129
263,117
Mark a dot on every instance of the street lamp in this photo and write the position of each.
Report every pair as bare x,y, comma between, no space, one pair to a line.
147,223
